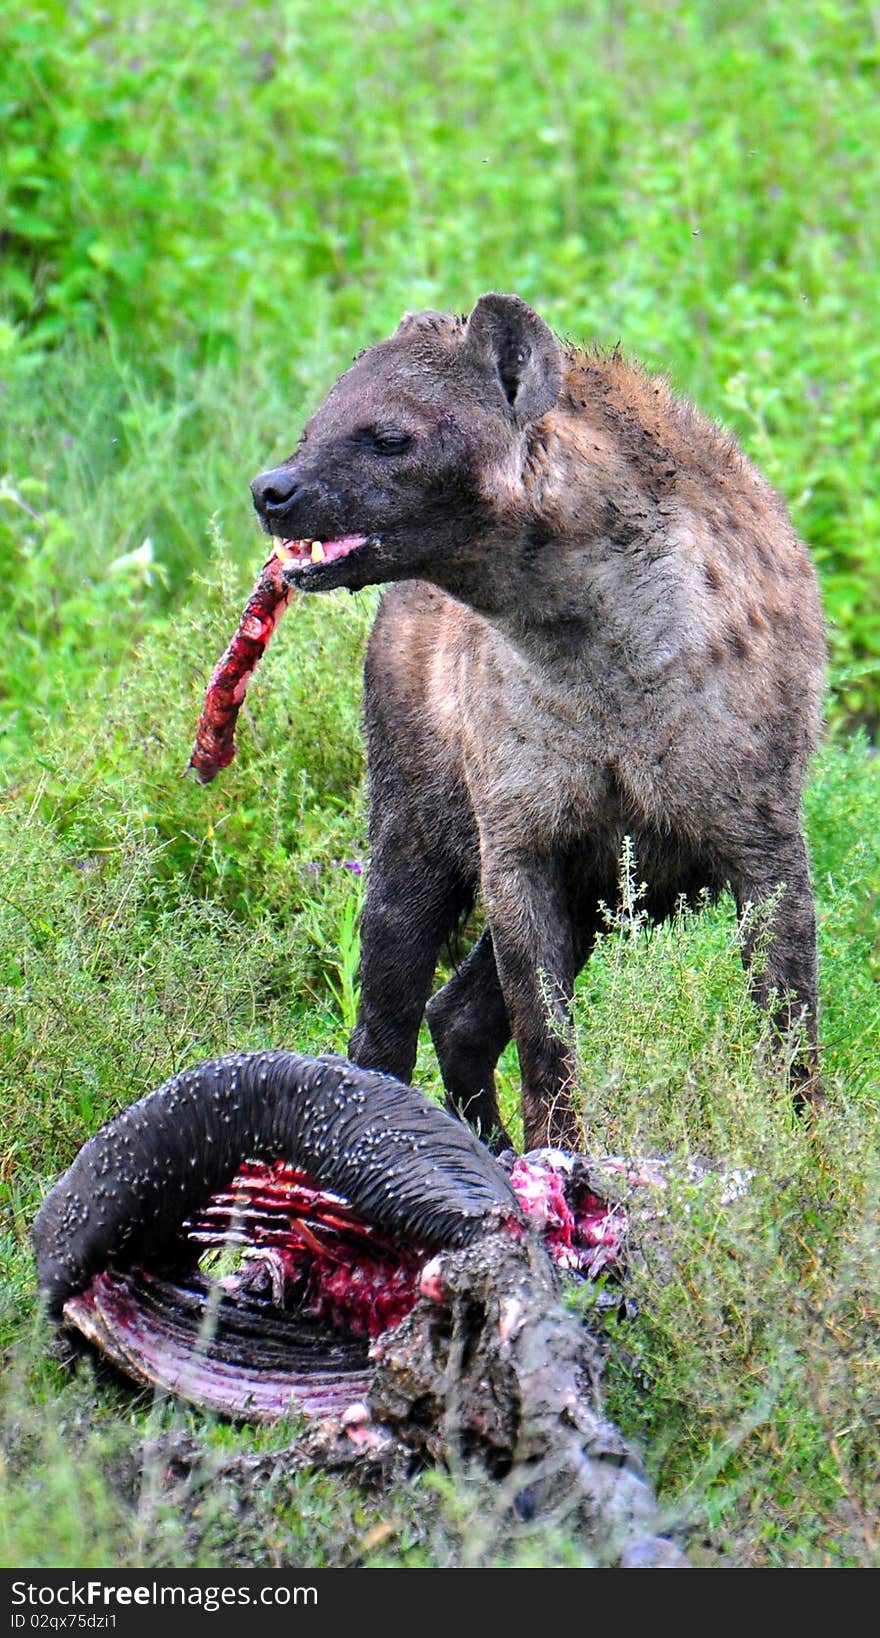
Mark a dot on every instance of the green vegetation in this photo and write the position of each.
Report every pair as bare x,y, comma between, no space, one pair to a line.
208,209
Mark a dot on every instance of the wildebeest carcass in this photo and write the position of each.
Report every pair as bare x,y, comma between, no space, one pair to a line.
270,1233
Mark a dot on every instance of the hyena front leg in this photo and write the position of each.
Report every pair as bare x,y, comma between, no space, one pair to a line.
412,906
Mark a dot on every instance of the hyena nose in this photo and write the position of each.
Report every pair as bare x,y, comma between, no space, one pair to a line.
272,490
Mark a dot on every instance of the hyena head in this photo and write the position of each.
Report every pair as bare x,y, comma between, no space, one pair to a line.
412,468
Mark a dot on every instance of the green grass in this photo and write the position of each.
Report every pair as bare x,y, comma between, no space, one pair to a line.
207,212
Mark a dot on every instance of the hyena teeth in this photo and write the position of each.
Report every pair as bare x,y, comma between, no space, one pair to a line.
317,552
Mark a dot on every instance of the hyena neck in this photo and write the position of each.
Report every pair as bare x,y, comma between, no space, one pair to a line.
575,602
576,548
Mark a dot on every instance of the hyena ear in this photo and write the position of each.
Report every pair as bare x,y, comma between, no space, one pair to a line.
516,345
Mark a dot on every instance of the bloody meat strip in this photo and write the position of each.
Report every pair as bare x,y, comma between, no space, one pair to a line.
214,746
312,1248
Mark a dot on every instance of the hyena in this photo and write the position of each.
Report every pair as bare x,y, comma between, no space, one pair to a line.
600,624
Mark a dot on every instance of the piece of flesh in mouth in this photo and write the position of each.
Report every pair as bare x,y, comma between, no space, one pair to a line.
214,746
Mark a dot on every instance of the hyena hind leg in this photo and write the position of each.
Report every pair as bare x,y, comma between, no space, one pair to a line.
782,959
470,1028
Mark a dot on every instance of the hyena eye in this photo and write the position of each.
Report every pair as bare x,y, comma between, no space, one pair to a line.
389,440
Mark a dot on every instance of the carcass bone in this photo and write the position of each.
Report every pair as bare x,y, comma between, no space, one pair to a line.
358,1209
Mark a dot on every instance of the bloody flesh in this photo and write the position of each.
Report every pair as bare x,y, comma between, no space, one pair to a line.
309,1250
278,1290
214,745
584,1233
308,1256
